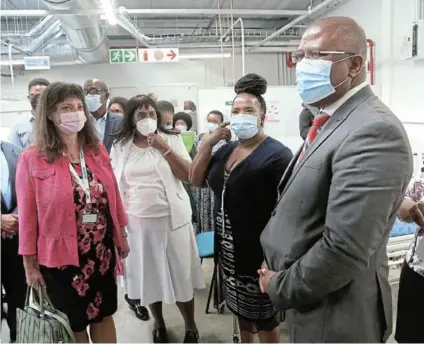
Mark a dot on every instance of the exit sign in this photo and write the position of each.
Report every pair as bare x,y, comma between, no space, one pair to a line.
122,56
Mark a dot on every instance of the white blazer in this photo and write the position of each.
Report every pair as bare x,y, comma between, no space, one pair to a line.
177,196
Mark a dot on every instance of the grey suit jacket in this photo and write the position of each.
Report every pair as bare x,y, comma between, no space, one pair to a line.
113,124
11,153
328,234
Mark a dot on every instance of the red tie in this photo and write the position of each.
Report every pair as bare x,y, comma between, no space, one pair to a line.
313,132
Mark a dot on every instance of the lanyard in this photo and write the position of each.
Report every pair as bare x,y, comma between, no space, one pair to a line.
84,182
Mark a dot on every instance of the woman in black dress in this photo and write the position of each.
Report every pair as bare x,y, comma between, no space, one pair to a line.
244,176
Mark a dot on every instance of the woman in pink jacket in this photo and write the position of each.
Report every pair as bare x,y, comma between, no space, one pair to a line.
72,222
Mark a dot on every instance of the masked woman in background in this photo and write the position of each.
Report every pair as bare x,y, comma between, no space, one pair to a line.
204,197
244,176
150,164
73,220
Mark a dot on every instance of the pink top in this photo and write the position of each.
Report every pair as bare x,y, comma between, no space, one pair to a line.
47,220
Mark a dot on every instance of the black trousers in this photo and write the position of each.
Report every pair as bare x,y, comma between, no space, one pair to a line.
12,279
409,324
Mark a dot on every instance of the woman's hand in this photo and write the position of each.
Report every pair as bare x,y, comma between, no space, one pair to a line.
34,278
157,142
417,213
222,133
125,250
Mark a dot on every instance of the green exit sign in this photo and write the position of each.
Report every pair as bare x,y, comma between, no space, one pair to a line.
122,56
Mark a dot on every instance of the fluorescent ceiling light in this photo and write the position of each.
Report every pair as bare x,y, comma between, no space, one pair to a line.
13,62
109,9
204,56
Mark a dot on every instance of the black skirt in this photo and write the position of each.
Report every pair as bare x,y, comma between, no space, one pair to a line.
88,293
409,324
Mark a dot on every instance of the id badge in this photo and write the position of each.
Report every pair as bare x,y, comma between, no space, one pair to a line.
89,218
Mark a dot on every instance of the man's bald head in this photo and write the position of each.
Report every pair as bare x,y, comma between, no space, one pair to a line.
341,33
95,83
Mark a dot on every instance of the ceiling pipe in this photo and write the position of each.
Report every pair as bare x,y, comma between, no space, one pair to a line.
14,47
84,32
51,31
243,45
294,22
188,12
40,26
127,24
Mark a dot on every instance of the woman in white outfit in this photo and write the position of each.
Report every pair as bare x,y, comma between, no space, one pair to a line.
164,266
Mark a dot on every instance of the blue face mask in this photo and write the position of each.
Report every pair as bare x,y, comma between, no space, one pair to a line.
168,127
93,102
244,126
313,79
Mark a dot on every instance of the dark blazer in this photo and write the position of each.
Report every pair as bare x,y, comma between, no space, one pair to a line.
328,234
113,124
11,152
305,122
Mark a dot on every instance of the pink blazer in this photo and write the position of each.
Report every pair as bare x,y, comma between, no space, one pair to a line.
47,222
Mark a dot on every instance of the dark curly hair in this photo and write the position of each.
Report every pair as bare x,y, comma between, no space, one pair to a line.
128,126
119,100
184,117
254,85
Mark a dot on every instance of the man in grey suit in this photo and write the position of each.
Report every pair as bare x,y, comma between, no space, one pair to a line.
12,268
325,243
106,123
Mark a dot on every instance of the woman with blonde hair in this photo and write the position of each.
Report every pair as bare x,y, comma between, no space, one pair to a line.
72,232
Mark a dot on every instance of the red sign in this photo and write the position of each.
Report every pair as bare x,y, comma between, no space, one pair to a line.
158,55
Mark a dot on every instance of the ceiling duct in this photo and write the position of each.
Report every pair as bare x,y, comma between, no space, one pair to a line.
126,23
51,31
84,33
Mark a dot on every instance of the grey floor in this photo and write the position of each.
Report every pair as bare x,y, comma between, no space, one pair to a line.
213,328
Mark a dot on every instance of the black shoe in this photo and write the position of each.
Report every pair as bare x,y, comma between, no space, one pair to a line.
191,337
12,336
140,311
160,335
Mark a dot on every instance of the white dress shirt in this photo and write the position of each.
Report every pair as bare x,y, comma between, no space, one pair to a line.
100,125
331,109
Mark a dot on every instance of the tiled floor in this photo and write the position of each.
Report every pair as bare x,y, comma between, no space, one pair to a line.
213,328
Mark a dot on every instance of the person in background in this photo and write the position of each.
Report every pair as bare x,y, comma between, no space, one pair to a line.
306,119
105,122
204,197
164,266
167,112
411,283
182,122
190,109
22,133
244,176
117,105
12,267
325,245
72,233
154,97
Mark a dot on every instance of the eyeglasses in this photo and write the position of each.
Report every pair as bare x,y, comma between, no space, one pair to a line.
297,56
94,91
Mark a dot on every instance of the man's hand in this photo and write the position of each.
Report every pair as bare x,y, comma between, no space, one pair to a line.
9,224
417,213
264,278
